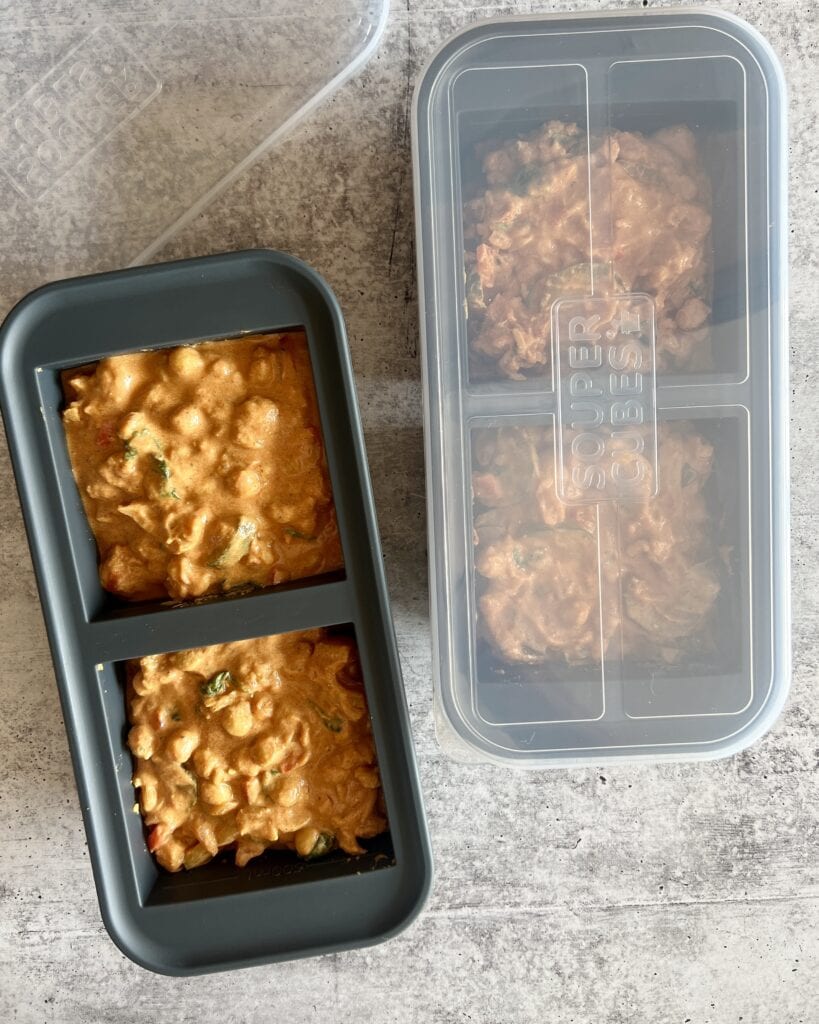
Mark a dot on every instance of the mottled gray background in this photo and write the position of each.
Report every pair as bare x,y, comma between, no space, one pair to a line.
654,895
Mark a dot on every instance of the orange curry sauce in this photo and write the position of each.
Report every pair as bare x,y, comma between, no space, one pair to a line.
202,468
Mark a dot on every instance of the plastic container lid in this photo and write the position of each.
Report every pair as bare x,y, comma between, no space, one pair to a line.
601,222
121,121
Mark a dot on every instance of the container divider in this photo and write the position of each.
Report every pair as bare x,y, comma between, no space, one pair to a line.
611,605
307,606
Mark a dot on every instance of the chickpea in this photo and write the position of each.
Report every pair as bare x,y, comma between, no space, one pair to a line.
189,420
116,379
185,577
245,763
215,793
223,368
131,424
150,798
103,492
226,831
205,761
206,836
197,856
268,752
238,719
247,482
188,530
257,822
121,571
306,839
291,791
253,790
172,855
246,850
185,362
291,819
172,817
141,740
263,705
140,684
225,808
254,422
693,314
261,368
182,744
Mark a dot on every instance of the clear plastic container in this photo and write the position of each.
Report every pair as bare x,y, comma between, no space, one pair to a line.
120,120
601,221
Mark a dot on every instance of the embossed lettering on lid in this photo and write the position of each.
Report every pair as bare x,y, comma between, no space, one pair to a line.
606,436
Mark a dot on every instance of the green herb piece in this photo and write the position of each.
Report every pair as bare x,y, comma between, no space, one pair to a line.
237,547
216,684
643,173
322,846
268,778
688,475
526,177
519,558
161,466
332,722
129,452
291,532
144,432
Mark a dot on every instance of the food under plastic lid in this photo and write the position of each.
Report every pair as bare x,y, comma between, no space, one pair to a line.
120,122
601,224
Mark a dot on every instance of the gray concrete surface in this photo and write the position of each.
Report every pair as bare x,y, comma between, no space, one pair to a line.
654,895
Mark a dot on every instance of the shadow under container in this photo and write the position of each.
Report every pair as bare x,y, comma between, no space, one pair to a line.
278,907
714,80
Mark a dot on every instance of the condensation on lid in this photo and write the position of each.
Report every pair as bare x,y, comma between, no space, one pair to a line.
600,206
118,127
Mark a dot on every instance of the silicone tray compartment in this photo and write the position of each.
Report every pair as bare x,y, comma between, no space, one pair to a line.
217,916
493,83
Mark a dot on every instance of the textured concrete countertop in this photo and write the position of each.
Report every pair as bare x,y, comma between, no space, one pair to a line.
654,895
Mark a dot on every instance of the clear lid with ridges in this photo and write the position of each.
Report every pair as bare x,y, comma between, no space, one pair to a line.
119,123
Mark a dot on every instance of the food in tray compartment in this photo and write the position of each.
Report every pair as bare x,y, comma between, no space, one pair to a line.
542,566
202,468
529,240
255,744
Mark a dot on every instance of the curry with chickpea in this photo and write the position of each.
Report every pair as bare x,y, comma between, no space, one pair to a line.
530,239
251,745
201,468
537,559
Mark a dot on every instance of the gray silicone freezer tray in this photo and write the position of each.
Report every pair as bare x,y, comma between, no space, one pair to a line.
216,916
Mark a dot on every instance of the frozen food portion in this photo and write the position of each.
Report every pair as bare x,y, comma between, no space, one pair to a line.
256,744
202,468
576,583
559,215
